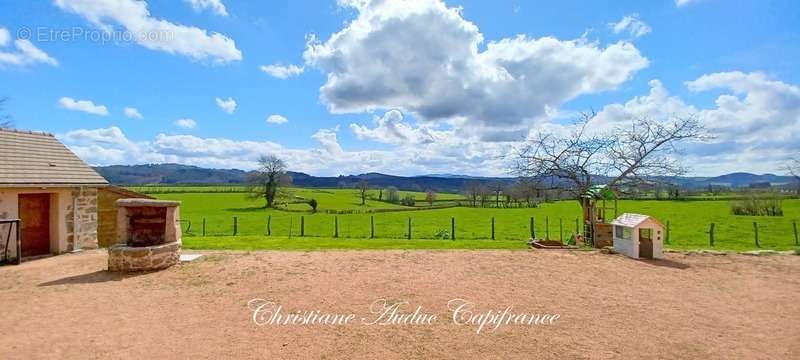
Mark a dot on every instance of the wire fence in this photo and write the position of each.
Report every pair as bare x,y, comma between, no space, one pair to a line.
781,234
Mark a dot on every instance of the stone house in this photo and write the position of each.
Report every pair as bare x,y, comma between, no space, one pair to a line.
51,190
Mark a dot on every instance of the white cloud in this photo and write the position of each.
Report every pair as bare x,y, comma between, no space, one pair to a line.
5,36
682,3
632,25
186,123
424,58
282,72
755,124
132,113
277,119
86,106
152,33
25,53
228,106
391,129
216,6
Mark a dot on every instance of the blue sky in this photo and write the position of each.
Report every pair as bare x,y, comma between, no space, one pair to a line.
401,88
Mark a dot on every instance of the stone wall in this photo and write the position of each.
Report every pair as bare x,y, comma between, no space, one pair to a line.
85,200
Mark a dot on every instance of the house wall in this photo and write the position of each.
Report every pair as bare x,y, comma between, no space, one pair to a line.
627,247
61,216
630,247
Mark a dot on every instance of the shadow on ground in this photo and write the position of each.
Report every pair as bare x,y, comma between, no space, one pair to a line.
99,276
665,263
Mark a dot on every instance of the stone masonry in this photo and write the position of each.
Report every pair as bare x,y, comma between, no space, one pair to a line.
86,205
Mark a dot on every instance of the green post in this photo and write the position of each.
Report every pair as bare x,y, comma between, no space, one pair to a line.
561,230
533,233
372,227
577,227
755,229
796,241
269,220
204,226
492,227
666,235
409,228
711,235
235,225
547,228
302,226
336,226
453,228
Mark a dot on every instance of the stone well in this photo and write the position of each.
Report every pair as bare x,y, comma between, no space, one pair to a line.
148,235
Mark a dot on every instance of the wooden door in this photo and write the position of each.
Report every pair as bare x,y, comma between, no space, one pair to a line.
646,243
34,211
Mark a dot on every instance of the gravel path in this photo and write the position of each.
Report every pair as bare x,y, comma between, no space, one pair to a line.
688,306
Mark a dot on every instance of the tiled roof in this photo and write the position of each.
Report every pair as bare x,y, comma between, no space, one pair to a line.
34,158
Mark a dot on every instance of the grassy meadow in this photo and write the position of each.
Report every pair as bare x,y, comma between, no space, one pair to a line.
689,223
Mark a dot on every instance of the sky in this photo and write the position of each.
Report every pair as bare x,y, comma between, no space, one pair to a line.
398,87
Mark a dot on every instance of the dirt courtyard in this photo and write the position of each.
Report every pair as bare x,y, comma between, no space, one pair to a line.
687,306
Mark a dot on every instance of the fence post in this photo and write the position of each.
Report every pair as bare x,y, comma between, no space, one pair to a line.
235,225
492,227
577,227
336,226
711,235
533,233
547,228
302,225
409,228
204,226
372,226
666,236
561,230
269,220
796,241
755,228
453,228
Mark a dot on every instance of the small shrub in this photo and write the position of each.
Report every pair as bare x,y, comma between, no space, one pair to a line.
442,234
758,205
408,200
313,204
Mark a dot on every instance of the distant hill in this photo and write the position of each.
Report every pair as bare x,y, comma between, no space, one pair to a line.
176,174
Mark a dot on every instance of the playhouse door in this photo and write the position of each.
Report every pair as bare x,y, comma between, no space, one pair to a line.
34,211
646,243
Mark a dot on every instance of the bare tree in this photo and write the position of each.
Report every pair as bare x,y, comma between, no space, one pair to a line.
5,119
793,168
639,153
472,191
269,180
392,195
362,187
430,197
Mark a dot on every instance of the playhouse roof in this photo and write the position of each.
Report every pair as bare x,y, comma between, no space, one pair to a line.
599,192
37,159
632,220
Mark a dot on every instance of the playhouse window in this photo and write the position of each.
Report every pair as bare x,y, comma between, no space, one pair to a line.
622,232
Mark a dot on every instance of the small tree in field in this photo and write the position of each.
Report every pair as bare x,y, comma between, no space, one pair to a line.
361,190
430,197
313,204
793,168
641,152
269,180
392,195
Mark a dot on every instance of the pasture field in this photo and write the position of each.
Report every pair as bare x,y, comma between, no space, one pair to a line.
689,222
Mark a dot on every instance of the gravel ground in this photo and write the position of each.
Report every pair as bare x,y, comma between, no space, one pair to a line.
687,306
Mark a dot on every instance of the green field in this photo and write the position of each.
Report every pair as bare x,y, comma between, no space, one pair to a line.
689,223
